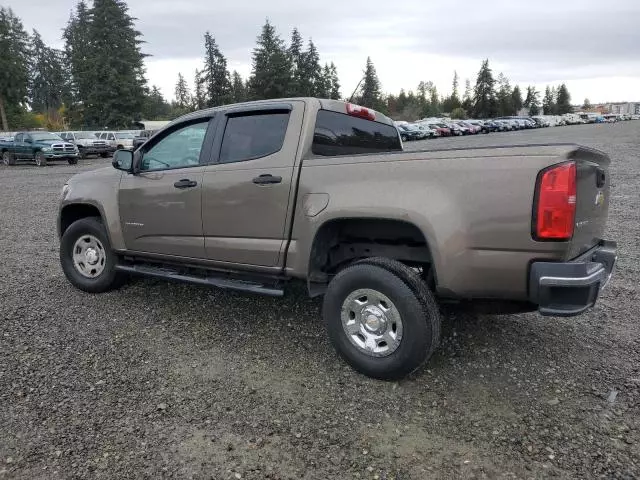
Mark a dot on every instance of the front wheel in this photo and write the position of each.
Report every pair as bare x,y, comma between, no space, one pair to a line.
40,159
381,318
404,138
86,257
72,161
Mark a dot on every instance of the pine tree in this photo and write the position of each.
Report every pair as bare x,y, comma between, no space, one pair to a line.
485,96
516,99
334,92
78,50
271,66
238,88
114,68
216,80
323,86
435,107
548,102
370,95
504,98
532,101
14,64
564,100
296,56
313,81
48,88
182,95
467,97
199,96
156,107
587,105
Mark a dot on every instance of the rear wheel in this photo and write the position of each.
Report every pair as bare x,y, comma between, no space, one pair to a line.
381,318
40,159
8,158
86,257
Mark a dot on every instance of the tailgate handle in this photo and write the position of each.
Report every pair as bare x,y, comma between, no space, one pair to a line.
601,177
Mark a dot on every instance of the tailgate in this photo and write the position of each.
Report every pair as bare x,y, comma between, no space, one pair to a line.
592,202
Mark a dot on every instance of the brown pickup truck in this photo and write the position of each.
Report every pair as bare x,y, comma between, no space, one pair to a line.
252,196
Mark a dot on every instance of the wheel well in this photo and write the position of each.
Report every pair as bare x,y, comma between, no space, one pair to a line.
340,242
74,212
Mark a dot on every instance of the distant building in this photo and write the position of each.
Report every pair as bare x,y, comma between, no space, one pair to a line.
620,108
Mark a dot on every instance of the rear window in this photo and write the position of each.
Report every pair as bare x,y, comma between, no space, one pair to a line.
341,134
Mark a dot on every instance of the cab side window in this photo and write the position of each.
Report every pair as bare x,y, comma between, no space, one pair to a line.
179,149
111,136
18,138
255,135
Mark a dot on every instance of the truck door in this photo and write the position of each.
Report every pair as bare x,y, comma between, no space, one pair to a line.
17,145
247,188
161,205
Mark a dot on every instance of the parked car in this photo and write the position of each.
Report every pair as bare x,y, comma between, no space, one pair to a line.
39,147
117,140
410,132
429,133
142,137
456,130
87,143
490,126
441,129
265,209
472,129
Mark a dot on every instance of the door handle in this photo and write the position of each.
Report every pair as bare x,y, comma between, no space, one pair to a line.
267,179
185,183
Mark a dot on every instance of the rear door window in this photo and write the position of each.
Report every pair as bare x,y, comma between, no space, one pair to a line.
341,134
254,135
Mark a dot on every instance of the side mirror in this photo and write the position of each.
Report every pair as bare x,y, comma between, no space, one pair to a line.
123,160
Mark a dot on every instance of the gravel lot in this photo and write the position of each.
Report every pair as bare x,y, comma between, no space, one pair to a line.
168,380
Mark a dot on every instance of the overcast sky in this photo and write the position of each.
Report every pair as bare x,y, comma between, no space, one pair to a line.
592,45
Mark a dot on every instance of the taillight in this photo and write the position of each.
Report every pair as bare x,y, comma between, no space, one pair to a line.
362,112
556,207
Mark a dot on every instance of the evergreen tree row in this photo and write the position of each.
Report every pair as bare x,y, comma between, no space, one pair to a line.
98,80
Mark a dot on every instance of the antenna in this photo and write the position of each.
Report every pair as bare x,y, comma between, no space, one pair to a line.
357,87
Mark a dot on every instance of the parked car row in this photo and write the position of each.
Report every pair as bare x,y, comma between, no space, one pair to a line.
447,127
41,146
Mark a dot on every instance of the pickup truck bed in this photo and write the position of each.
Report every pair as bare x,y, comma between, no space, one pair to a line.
252,196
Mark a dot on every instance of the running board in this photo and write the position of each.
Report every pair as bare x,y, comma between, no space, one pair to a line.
210,279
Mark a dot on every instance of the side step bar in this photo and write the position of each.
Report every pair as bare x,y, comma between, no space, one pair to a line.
210,279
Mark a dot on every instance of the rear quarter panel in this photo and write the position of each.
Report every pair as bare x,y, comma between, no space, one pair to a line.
474,208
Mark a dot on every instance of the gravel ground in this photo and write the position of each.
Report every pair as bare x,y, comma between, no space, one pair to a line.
168,380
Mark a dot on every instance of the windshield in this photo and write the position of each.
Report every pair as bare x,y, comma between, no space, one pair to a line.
43,136
121,136
86,135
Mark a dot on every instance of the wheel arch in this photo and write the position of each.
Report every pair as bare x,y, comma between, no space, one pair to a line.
75,211
341,241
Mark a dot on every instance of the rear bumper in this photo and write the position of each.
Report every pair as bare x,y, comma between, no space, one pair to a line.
570,288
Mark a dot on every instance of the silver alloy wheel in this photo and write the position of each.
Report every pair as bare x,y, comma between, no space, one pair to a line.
371,322
6,158
89,256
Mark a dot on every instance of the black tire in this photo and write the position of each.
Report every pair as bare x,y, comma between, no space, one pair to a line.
8,158
72,161
414,302
40,159
104,154
109,279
